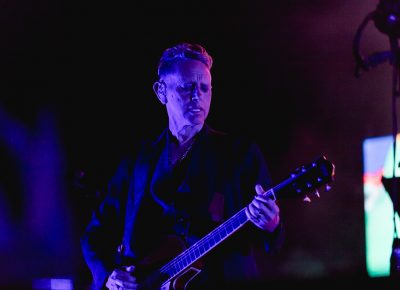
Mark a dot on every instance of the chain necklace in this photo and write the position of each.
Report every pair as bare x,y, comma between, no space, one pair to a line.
187,150
173,160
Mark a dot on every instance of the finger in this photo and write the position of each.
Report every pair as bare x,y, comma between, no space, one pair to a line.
257,221
125,271
129,269
124,277
269,211
121,284
259,189
270,203
263,213
267,194
128,285
266,210
261,198
250,212
254,211
259,204
111,285
264,219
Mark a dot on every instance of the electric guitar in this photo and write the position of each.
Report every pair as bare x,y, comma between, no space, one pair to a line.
178,272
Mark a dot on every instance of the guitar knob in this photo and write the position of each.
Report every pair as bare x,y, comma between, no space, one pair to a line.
306,199
327,187
317,194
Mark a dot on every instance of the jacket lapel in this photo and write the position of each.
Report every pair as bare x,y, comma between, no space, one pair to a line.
141,175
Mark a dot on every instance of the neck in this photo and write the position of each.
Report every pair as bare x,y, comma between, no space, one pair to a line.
186,133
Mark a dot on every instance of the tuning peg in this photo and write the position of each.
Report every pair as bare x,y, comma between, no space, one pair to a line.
328,187
306,199
317,193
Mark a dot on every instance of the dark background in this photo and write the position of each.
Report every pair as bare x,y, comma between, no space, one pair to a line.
76,93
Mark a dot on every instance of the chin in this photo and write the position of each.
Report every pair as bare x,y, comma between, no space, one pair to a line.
196,121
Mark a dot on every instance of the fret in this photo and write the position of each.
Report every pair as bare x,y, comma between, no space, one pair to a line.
197,252
204,245
192,256
210,241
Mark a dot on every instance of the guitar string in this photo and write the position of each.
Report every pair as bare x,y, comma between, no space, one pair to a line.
180,259
181,263
201,242
204,242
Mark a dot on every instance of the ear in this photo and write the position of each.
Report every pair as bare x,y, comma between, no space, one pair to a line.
160,88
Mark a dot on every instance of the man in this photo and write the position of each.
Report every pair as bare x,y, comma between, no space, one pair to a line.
175,190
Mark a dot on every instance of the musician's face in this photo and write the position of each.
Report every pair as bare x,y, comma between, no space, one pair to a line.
188,93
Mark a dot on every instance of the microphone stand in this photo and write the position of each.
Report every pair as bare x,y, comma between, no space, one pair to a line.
395,256
387,20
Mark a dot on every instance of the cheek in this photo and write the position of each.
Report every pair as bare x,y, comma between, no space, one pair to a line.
177,103
207,100
181,98
175,99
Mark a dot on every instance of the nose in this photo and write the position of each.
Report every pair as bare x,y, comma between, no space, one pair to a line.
195,95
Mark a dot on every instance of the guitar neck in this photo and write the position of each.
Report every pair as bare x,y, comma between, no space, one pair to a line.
204,245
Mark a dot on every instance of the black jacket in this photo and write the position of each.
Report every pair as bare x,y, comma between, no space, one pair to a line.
217,181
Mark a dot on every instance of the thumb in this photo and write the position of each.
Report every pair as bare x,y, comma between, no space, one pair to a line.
130,268
259,189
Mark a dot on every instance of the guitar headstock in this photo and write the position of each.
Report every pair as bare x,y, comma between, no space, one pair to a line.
307,179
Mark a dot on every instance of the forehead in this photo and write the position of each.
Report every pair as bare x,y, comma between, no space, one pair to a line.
190,70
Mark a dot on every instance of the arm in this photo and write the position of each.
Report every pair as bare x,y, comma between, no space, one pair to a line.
103,234
258,240
264,213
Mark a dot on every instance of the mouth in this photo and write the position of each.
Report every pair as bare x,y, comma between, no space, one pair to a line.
194,110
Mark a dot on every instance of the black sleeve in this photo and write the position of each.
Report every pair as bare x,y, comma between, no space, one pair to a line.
255,245
103,234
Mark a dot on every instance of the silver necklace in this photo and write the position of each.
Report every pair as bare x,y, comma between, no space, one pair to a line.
187,150
184,154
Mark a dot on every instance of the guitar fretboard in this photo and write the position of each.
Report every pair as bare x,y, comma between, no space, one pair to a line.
204,245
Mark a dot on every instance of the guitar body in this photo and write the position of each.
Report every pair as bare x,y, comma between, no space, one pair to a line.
169,248
182,281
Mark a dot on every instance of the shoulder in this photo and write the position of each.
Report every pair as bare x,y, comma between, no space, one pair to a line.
236,142
143,146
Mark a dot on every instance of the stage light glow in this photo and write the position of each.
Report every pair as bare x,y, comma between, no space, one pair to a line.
378,206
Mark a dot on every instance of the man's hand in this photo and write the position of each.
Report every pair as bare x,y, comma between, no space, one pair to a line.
263,211
122,279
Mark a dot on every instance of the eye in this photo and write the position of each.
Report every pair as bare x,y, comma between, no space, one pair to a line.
187,87
204,88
